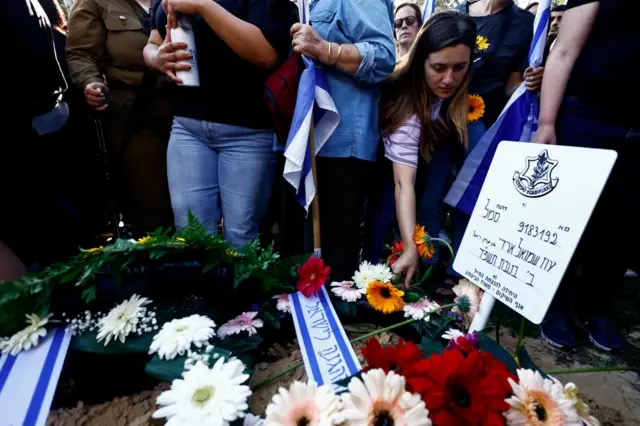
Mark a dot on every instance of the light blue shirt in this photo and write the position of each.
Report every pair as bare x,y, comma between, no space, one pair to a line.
368,25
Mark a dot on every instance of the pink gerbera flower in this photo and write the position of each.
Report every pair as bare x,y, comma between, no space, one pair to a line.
245,322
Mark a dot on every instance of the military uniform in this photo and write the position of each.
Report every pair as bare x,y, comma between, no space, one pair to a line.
105,43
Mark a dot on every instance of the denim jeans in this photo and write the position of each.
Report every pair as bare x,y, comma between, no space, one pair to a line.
218,170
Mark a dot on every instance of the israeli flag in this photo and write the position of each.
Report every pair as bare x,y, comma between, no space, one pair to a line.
28,380
428,10
314,102
518,121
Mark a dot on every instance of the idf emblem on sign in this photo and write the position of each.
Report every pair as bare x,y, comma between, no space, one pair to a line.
536,180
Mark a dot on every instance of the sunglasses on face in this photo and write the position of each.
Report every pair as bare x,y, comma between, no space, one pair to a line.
410,20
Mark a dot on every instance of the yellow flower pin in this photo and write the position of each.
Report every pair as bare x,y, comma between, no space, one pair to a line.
482,43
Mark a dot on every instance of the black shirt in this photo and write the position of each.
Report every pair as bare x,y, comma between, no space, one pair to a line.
607,72
231,89
502,48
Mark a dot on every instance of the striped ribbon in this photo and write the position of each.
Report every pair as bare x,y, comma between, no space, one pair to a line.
428,10
326,351
518,121
28,380
314,102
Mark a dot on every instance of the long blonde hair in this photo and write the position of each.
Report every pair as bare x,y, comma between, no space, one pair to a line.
406,92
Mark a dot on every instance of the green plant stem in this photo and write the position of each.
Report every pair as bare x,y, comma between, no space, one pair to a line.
444,242
520,341
592,370
357,339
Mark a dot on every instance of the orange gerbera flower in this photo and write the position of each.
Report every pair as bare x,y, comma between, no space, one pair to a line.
384,297
423,241
476,108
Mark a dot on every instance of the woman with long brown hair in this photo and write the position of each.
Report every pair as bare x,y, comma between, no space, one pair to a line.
424,110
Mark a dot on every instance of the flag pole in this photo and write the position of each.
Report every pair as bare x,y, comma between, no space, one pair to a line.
315,204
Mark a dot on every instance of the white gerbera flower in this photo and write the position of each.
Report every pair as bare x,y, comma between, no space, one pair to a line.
419,310
122,320
303,404
346,291
382,273
283,303
539,401
381,398
206,396
176,336
245,322
571,392
28,337
468,297
251,420
452,334
363,276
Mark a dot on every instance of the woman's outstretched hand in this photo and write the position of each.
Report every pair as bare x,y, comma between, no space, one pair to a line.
407,264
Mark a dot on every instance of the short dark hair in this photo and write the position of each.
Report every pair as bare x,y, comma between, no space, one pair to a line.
559,8
530,5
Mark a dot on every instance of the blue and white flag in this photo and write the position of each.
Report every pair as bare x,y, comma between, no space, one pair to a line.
518,121
28,380
326,351
428,10
314,102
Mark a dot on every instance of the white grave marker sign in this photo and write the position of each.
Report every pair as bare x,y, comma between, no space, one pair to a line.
531,212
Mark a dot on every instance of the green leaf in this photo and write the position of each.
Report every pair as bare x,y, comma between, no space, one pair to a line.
89,294
133,344
170,370
240,344
411,297
501,354
346,308
431,346
271,320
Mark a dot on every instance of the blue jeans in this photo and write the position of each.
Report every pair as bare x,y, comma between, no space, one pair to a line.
218,170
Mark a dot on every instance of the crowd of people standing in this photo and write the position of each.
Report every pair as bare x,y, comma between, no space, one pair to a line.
109,77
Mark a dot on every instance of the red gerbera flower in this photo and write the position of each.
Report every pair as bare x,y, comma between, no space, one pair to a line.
461,390
396,252
400,359
464,344
312,275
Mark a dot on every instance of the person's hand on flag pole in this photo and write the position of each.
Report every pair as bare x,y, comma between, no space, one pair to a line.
307,42
533,78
